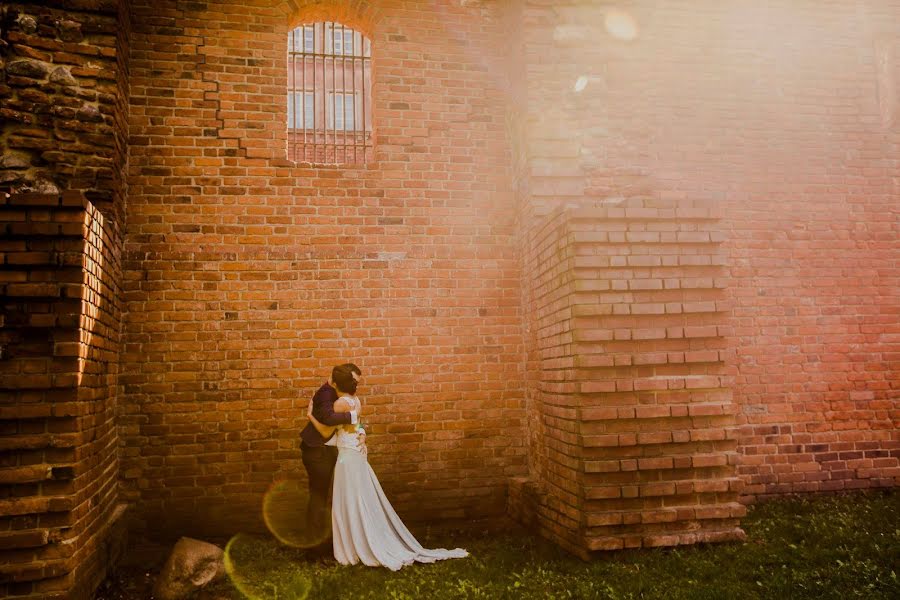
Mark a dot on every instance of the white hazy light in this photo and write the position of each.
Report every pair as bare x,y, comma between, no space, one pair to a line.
581,83
621,25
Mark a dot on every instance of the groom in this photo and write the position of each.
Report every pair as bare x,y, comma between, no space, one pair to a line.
319,459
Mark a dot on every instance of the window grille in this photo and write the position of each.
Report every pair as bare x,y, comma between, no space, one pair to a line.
329,97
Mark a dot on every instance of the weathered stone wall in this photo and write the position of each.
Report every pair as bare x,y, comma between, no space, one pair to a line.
62,105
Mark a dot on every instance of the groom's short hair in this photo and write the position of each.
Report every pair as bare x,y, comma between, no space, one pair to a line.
343,377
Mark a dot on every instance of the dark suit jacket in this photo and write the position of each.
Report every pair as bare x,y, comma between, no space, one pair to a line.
323,410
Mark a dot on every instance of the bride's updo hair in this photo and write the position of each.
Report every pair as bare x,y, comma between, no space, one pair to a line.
343,377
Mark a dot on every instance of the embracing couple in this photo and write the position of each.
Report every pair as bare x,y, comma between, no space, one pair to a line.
364,526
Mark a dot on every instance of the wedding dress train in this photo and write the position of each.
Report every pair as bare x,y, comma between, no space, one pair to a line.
365,527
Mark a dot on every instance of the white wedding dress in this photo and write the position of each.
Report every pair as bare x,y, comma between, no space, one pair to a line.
366,529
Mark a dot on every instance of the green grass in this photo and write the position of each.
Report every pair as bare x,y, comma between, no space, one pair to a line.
838,547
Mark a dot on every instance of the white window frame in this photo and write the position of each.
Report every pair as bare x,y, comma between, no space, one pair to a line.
351,47
307,109
337,41
336,102
342,41
302,39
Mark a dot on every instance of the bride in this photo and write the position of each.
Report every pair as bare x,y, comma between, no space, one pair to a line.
365,527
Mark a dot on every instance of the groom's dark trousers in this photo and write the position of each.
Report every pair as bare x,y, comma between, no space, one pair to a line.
319,459
319,462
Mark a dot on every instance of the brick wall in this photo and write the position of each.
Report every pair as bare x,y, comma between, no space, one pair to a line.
247,277
746,109
570,204
813,233
557,455
634,399
657,417
60,527
680,108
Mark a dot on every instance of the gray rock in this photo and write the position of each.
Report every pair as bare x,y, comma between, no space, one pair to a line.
192,565
62,76
34,69
89,112
39,185
42,185
70,31
27,23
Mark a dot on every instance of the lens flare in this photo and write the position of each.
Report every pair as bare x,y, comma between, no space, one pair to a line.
621,25
284,511
259,573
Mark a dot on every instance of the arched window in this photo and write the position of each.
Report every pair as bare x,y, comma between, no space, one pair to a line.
329,96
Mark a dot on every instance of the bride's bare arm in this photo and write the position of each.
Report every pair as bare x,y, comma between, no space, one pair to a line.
343,406
324,430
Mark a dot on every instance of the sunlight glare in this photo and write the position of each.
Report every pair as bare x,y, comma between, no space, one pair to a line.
621,25
284,511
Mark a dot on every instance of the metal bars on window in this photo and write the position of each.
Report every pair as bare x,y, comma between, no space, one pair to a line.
329,95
